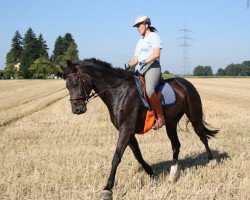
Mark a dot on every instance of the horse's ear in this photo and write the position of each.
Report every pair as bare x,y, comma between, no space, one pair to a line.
69,69
69,64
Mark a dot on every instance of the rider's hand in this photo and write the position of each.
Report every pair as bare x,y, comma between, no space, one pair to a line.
136,72
142,63
126,66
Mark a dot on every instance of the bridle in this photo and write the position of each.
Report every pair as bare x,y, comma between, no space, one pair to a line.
88,97
85,98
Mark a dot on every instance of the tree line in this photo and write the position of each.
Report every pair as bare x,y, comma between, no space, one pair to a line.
242,69
29,57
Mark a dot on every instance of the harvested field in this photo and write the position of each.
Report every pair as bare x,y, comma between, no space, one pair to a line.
46,152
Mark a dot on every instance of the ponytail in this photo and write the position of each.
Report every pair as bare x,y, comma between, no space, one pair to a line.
152,29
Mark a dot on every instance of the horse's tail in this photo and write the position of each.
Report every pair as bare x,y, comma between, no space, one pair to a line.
194,110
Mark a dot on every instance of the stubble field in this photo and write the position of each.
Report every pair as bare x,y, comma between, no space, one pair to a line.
46,152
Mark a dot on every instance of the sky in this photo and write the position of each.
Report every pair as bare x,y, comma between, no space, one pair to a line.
219,30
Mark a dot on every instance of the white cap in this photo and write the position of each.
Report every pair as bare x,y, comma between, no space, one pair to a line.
142,19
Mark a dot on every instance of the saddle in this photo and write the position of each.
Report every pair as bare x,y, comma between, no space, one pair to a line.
163,90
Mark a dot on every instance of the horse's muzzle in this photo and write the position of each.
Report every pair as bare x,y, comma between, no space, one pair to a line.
79,109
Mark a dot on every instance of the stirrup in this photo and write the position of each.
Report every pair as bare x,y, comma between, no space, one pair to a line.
156,125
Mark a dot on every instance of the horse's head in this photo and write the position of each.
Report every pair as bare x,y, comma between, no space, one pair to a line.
79,86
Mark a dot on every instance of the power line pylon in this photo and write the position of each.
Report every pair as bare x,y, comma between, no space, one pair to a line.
185,45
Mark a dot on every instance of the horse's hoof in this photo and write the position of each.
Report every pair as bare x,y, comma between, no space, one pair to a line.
213,163
106,195
174,173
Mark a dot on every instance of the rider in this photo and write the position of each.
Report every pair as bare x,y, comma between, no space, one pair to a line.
146,61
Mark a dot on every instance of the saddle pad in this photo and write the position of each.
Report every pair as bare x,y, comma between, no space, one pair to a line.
168,95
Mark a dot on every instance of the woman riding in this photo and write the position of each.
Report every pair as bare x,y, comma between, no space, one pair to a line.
146,61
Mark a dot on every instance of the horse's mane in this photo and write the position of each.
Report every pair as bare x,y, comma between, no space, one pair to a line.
102,64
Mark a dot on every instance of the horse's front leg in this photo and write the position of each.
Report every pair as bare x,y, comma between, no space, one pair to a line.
122,143
137,153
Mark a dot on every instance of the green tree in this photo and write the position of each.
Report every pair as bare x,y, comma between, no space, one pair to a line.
14,55
42,47
245,67
242,73
199,71
30,53
72,53
26,62
232,70
246,63
10,71
65,48
207,71
68,40
166,72
58,50
42,68
242,69
10,58
221,72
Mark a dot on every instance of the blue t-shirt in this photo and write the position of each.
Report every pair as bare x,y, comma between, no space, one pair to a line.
145,46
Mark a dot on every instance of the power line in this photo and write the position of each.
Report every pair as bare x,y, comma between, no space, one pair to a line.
185,45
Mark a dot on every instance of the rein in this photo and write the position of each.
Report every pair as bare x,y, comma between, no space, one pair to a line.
87,97
118,83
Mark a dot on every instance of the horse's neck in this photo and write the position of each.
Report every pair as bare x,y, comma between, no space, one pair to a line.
115,93
108,87
102,81
105,82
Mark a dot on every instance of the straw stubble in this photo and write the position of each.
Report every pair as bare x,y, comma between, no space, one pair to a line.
46,152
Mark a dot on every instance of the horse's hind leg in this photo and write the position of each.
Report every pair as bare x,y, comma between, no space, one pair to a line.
201,132
133,144
171,128
195,116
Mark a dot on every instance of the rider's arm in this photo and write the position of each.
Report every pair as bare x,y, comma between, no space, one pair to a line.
133,62
155,55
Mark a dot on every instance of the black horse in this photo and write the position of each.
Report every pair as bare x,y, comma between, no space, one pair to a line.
117,89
